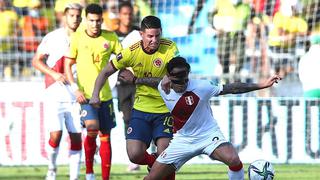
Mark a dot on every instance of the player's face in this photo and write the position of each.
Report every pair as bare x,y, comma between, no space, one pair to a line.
125,16
151,39
179,79
73,19
94,22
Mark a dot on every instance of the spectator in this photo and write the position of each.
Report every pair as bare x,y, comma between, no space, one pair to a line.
309,66
287,26
230,21
33,26
150,119
21,7
110,16
90,58
128,35
8,23
61,107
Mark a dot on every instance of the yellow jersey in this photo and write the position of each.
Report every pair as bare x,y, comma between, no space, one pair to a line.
91,55
147,99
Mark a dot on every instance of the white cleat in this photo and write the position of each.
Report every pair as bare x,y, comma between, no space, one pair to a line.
90,177
51,174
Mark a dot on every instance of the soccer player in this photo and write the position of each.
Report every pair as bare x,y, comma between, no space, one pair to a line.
197,131
61,107
128,34
150,118
90,50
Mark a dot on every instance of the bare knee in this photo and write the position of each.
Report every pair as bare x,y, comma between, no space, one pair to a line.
135,155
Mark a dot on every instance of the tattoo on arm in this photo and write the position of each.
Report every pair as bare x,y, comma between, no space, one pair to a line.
149,81
238,88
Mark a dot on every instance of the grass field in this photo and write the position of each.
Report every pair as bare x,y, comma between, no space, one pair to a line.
188,172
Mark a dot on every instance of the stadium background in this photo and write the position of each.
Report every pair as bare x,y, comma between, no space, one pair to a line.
278,124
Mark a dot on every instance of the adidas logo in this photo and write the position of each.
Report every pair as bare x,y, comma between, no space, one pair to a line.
166,130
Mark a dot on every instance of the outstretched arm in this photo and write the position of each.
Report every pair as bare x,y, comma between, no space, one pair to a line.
238,87
107,71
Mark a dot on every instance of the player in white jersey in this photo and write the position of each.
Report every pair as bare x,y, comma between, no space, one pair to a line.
61,107
197,132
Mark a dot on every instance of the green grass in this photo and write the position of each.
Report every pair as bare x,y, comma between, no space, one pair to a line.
187,172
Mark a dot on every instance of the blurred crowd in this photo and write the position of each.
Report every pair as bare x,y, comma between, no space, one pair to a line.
24,23
255,38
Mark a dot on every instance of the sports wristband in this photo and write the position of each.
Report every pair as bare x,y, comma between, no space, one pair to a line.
74,87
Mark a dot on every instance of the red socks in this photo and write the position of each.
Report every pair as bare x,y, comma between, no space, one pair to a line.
105,155
148,159
90,149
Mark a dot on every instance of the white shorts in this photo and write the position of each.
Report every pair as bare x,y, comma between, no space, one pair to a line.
58,114
181,149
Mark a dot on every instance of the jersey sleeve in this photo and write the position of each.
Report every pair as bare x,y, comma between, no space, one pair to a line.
211,88
122,59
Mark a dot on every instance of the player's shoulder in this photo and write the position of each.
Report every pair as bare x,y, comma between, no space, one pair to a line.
106,33
135,46
56,33
166,42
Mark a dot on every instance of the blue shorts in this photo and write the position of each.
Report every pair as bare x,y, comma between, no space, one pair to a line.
105,114
146,127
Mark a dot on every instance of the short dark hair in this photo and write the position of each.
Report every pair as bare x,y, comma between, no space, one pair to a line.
94,9
125,4
150,22
178,62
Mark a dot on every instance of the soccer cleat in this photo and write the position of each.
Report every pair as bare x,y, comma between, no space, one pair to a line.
51,174
90,177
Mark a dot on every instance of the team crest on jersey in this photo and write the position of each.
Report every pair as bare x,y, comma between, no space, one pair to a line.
106,45
189,100
157,62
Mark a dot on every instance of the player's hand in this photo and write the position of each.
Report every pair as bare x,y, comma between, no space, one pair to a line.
60,78
126,76
80,97
95,102
273,79
165,84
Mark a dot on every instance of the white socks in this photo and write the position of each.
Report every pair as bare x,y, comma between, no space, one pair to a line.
74,164
236,175
52,157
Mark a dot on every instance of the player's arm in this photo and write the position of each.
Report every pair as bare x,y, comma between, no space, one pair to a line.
128,77
74,86
38,62
239,87
107,71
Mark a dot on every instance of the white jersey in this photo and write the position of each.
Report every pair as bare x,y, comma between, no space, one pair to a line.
191,110
55,44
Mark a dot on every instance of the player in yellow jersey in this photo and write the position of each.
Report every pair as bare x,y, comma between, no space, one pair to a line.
90,49
150,118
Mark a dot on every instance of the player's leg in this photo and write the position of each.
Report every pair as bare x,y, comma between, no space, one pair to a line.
74,128
227,154
218,148
162,134
159,171
55,121
138,138
89,115
125,103
107,122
